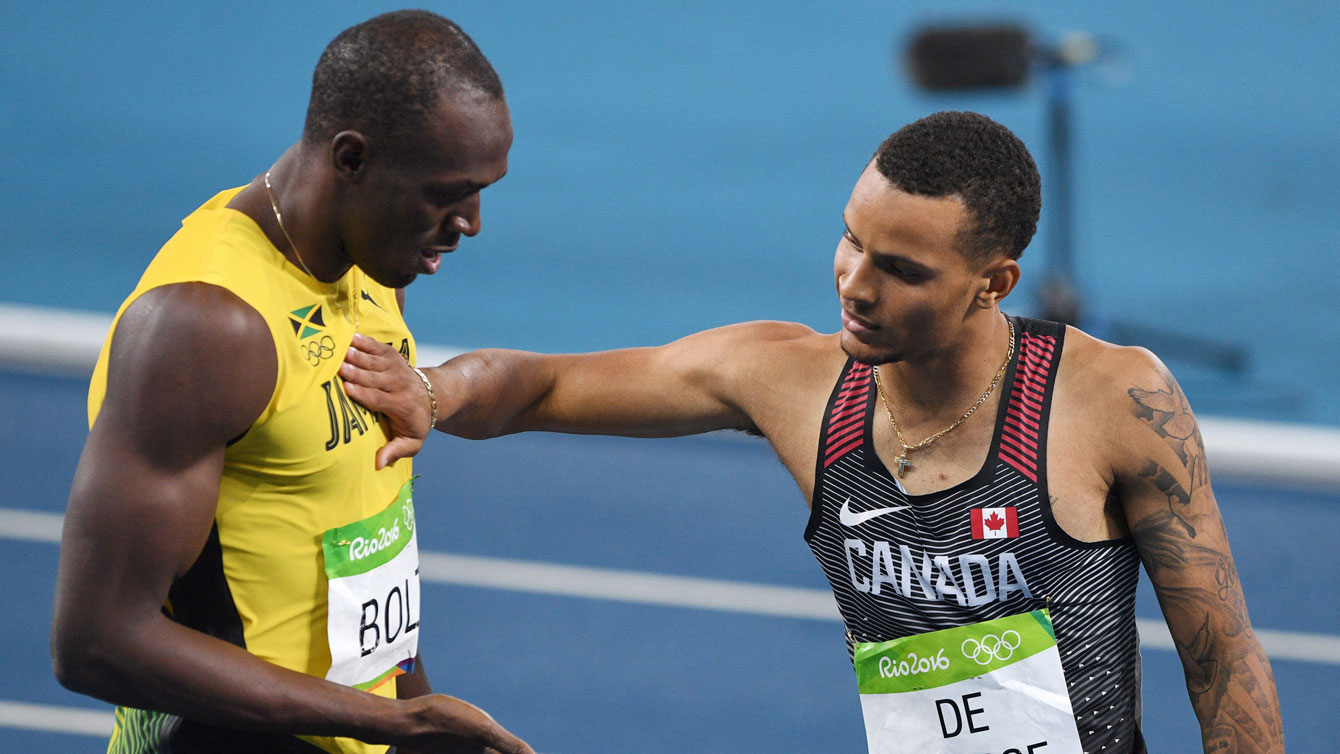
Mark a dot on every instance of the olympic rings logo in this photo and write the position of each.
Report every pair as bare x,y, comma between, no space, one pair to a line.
991,647
317,350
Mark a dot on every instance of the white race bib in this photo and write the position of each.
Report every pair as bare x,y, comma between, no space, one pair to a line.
989,688
373,569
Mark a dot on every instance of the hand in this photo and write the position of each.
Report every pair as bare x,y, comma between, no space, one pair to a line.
378,377
447,725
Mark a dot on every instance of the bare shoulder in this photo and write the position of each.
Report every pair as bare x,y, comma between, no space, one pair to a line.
1093,363
191,356
1121,393
750,354
762,342
766,332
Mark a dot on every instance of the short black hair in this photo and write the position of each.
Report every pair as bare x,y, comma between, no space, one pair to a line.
385,76
970,156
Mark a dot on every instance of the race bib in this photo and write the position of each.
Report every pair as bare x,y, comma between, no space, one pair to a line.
989,688
373,570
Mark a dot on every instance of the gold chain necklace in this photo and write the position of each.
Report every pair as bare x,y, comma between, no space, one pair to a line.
902,461
274,205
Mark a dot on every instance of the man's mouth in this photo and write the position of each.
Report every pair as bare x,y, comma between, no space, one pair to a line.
431,259
855,325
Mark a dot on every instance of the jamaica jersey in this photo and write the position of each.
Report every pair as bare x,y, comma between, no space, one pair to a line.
305,467
902,565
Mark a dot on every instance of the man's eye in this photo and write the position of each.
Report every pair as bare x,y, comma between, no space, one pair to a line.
902,273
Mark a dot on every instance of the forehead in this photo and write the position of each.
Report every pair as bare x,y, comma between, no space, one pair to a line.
466,137
886,218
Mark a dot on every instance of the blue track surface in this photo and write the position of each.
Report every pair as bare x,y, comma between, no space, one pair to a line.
580,675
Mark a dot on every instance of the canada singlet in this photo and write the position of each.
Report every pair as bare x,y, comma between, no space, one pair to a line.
942,592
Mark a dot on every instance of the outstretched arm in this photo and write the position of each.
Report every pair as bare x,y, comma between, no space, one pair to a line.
696,384
1164,484
191,367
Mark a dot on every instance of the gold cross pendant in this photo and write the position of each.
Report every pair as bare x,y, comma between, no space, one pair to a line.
903,463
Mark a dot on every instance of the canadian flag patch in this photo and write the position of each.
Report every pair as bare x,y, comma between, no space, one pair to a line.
995,523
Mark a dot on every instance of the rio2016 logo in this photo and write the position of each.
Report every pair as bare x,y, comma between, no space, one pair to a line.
991,647
891,668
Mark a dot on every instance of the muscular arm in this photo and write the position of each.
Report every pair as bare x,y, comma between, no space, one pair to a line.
770,377
645,392
696,384
1163,484
191,367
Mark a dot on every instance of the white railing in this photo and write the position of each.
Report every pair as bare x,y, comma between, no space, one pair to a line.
62,341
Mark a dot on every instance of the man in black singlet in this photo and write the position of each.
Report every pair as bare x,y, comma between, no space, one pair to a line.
982,487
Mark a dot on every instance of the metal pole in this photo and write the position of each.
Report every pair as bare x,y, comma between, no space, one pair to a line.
1059,294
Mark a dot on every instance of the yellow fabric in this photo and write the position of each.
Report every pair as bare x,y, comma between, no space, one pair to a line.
306,465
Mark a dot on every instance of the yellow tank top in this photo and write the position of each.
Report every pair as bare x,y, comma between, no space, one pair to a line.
305,465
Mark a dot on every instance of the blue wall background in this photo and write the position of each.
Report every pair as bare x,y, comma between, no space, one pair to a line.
681,165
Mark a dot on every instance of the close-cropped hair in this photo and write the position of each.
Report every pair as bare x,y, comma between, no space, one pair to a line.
386,76
981,162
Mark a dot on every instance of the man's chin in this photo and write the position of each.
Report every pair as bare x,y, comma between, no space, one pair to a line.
867,354
392,279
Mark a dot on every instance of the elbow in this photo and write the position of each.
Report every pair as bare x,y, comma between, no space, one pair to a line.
69,664
79,660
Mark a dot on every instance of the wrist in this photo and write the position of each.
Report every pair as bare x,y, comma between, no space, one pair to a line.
432,396
414,720
395,721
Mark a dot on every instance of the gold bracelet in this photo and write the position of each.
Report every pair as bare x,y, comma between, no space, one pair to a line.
432,397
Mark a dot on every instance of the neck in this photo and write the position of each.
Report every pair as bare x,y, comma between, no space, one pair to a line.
931,386
303,229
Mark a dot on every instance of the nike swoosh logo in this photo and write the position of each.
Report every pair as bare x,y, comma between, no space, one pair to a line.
848,518
364,295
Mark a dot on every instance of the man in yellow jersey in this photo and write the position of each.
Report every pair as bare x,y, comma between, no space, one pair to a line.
234,572
983,488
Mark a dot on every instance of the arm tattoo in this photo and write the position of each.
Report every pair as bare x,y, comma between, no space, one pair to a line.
1228,675
1230,689
1168,413
1178,498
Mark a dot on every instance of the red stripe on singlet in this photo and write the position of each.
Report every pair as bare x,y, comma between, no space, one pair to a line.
846,426
1023,415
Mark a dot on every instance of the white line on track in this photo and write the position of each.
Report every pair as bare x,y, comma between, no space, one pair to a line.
677,591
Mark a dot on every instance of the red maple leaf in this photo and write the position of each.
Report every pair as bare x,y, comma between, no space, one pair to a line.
994,521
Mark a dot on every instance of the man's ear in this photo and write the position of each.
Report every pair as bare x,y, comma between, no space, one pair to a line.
349,153
998,278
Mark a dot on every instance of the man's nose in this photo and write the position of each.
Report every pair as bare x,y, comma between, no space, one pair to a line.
466,220
856,284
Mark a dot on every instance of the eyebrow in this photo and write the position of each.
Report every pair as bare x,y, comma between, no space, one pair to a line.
453,186
883,255
463,184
